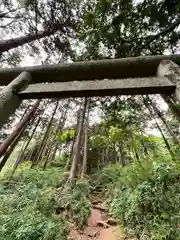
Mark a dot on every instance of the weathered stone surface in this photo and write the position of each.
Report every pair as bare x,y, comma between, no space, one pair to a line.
143,66
171,70
99,88
9,100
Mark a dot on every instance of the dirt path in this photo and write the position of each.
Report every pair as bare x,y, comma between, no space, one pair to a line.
99,225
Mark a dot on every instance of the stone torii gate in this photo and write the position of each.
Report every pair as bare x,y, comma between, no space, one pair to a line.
126,76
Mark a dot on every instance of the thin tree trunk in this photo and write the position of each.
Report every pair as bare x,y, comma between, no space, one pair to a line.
159,114
130,153
134,146
21,125
19,159
174,109
103,156
73,144
23,148
143,144
159,128
43,143
52,144
121,155
77,145
84,167
165,140
15,141
114,152
71,152
29,139
58,132
11,149
107,154
44,147
29,156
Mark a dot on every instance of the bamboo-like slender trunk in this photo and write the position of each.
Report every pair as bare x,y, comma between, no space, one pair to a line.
172,105
19,158
58,132
15,141
67,167
143,144
147,104
11,149
84,166
16,133
160,115
103,156
134,146
29,139
107,153
77,145
165,140
44,140
122,160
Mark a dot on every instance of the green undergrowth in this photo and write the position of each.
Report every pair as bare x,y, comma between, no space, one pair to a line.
73,200
34,208
27,209
144,197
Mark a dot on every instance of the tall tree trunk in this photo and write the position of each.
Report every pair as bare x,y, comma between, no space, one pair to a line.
17,132
19,158
130,153
159,114
122,160
143,144
114,153
45,137
172,105
134,146
84,167
24,145
8,44
11,148
103,156
77,145
29,140
165,140
67,167
107,154
58,131
147,104
15,141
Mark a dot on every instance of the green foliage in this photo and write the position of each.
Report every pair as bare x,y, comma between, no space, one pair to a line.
27,207
60,161
108,30
74,199
145,197
109,174
66,136
98,140
116,176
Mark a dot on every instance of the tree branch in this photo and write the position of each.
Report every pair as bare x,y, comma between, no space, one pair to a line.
164,32
4,14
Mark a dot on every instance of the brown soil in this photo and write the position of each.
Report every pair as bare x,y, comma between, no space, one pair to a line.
99,225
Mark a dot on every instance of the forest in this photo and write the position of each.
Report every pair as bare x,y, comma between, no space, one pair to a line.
103,168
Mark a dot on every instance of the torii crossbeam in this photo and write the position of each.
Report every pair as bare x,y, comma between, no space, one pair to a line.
127,76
